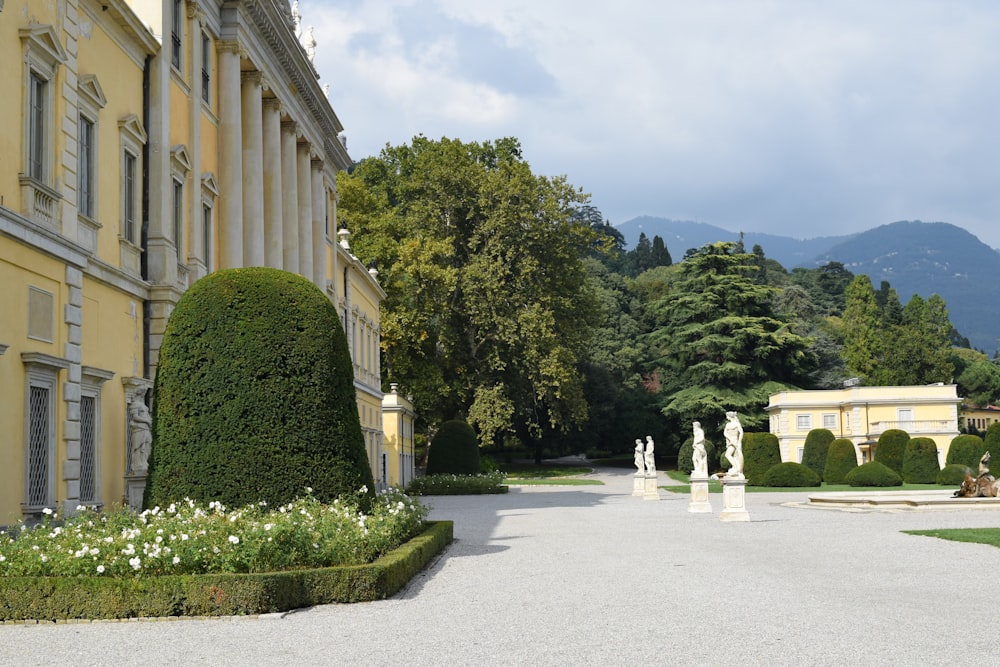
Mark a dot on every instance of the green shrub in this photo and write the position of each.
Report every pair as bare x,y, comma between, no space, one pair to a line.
761,452
454,450
254,397
458,485
841,458
873,473
890,448
791,474
954,474
966,450
992,443
817,444
920,461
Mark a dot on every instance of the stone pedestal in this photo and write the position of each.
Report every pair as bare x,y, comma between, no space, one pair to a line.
135,486
699,496
734,499
638,484
650,489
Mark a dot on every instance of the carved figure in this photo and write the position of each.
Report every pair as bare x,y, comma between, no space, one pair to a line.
650,461
141,426
734,444
309,43
699,456
296,18
983,486
640,463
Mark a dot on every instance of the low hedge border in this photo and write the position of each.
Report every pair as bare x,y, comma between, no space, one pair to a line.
461,491
58,598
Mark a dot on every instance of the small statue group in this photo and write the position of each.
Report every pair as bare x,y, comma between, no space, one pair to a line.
644,461
141,426
983,486
733,433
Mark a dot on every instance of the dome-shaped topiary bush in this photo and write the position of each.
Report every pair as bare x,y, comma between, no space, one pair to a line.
791,474
992,442
966,450
841,458
920,461
454,450
953,474
890,448
761,452
873,473
254,396
817,444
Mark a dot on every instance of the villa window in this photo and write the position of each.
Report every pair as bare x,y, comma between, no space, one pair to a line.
830,421
38,103
803,422
206,68
129,197
176,33
206,231
40,435
177,214
85,173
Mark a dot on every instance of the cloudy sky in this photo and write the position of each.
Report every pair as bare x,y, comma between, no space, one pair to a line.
783,116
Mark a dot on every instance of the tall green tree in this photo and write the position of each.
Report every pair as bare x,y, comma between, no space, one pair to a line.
860,327
721,344
918,349
488,313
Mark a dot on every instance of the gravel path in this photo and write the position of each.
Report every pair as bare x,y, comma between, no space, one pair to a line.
590,575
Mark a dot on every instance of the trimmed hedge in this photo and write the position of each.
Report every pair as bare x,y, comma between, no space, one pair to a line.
873,473
954,474
890,448
761,452
920,461
254,397
51,598
817,445
454,450
841,459
966,450
790,474
992,443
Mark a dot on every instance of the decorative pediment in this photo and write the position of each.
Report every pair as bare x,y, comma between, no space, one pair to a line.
209,185
42,41
179,159
132,126
90,90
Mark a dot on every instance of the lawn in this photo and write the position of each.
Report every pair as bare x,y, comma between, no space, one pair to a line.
529,474
716,487
989,536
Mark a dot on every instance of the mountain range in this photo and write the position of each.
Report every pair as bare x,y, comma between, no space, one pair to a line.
915,257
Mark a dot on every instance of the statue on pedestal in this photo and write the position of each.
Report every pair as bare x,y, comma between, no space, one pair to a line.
699,456
650,461
733,433
141,425
640,463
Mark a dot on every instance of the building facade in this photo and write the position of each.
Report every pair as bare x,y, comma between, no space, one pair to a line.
862,414
398,456
150,142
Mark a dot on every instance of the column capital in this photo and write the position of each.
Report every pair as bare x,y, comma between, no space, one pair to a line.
229,46
289,126
272,104
317,163
254,77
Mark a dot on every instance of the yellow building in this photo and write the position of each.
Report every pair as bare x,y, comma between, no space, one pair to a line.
149,143
977,418
398,458
862,414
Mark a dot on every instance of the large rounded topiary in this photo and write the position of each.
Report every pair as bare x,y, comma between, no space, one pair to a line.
254,397
966,450
791,474
992,442
761,452
873,473
841,459
890,448
454,450
953,474
817,444
920,461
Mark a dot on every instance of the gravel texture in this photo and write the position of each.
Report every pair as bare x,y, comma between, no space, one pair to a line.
590,575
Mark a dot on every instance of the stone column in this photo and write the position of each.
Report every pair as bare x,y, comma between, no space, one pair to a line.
273,213
253,171
305,211
231,149
289,199
319,225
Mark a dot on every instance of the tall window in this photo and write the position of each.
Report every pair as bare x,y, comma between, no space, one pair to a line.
830,421
176,32
206,68
206,230
37,92
85,173
178,214
88,449
128,194
40,444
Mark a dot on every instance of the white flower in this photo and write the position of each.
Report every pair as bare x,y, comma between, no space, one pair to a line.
184,537
233,539
47,511
45,559
364,488
136,563
100,569
177,559
2,558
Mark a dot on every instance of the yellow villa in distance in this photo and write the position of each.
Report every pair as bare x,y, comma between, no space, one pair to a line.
147,143
861,414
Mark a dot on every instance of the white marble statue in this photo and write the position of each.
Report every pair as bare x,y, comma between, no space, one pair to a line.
650,461
699,456
640,463
734,444
296,18
309,44
141,425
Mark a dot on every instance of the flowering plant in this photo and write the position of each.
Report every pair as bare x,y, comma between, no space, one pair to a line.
428,485
189,538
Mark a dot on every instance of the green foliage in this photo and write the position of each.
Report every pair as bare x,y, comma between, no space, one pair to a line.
920,461
254,397
458,485
454,450
841,458
860,327
791,474
992,441
222,594
761,452
953,474
873,473
917,350
891,447
977,377
966,450
817,444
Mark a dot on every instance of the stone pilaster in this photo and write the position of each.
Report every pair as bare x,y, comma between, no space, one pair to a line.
318,226
253,170
230,222
72,388
304,169
273,205
289,198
